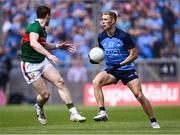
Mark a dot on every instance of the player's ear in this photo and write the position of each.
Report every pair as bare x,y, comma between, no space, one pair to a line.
113,21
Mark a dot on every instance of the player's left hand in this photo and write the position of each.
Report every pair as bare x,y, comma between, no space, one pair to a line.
70,47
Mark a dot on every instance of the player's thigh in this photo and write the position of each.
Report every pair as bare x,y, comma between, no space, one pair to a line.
40,86
103,78
52,75
135,87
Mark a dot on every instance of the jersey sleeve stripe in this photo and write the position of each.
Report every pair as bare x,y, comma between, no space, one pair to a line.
26,38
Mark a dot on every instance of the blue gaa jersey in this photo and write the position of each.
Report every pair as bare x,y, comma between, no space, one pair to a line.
116,48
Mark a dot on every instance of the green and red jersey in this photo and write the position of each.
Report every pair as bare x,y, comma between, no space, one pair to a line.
28,53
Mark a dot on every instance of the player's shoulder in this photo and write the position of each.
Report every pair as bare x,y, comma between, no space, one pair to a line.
33,26
118,34
34,23
122,33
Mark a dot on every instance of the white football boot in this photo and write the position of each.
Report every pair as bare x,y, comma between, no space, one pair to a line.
155,125
76,117
101,117
40,114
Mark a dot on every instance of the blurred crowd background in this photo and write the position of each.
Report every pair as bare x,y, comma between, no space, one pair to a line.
154,25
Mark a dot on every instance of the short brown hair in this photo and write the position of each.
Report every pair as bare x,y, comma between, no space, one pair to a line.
42,12
112,14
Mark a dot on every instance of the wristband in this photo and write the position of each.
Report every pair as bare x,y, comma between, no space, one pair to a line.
57,46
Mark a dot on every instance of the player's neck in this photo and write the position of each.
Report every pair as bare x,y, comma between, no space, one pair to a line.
42,22
111,31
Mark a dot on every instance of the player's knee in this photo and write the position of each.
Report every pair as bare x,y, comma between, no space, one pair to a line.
136,94
60,82
140,97
96,84
45,95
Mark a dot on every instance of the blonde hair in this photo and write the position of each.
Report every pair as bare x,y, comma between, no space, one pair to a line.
111,13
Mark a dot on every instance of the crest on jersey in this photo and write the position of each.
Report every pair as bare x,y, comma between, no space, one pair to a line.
120,43
111,44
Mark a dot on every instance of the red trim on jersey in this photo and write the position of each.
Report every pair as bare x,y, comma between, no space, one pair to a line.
26,72
41,40
25,38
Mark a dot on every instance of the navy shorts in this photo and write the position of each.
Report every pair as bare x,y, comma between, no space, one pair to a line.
124,75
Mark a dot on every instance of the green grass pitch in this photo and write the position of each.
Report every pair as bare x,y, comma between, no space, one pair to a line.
122,120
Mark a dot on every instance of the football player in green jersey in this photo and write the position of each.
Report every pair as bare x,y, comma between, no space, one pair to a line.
36,65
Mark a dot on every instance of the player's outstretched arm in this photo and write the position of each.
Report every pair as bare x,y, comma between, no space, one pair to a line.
70,47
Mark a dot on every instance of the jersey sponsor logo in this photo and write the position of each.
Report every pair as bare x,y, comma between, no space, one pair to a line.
112,52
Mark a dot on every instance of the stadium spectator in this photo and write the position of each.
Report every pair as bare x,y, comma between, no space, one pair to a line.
5,67
77,73
169,50
66,14
157,15
145,42
168,17
124,22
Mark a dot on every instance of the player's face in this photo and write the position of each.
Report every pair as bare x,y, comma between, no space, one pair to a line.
106,22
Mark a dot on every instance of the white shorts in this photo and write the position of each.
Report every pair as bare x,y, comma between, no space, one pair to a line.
32,71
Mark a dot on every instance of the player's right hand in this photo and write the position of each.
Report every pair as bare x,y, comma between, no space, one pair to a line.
70,47
54,59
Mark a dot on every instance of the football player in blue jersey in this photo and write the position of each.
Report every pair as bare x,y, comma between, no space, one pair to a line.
120,52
